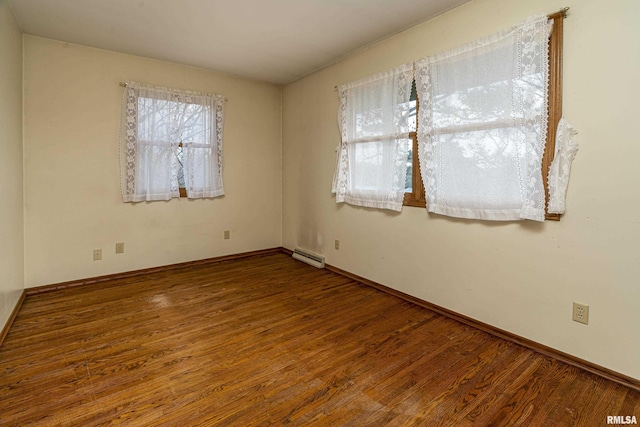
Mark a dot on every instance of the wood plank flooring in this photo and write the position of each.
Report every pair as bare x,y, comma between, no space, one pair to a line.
271,341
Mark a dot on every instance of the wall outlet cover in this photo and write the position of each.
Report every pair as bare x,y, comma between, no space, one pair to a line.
580,313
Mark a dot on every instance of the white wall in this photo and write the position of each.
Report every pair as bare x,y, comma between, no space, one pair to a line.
521,277
72,176
11,182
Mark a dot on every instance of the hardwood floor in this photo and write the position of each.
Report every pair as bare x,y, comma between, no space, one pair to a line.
271,341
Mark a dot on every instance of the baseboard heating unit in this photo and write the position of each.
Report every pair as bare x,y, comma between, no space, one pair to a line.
311,259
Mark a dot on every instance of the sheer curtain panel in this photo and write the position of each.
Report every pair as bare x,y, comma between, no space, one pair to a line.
374,125
565,151
482,125
170,139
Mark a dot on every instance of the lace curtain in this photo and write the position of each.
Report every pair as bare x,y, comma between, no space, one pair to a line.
482,125
565,151
170,139
374,125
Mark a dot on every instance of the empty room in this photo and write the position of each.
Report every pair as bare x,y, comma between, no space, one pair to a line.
319,212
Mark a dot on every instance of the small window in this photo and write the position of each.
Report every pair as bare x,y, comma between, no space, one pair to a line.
171,144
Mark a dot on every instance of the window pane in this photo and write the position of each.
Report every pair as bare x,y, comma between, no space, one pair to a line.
481,168
411,123
409,118
370,158
180,155
408,181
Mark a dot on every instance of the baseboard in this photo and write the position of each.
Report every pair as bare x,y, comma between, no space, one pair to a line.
127,274
12,317
500,333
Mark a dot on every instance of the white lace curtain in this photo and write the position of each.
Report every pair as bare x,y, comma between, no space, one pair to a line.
374,125
170,139
565,151
482,125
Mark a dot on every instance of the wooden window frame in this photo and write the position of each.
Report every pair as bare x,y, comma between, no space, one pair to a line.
417,197
555,102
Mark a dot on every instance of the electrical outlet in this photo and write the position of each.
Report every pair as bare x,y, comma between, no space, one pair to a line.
337,245
120,248
97,254
227,234
581,313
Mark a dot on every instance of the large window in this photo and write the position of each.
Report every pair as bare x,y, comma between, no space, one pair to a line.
482,125
171,144
481,138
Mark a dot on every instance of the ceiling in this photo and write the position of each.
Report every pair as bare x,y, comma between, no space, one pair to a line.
277,41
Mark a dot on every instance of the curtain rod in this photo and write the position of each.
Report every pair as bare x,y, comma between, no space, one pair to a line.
562,13
123,84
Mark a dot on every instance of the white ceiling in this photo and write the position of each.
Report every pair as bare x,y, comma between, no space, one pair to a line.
276,41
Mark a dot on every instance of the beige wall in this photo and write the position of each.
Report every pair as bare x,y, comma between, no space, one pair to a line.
521,277
11,201
73,203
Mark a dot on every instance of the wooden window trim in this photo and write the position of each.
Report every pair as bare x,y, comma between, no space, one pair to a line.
417,198
555,102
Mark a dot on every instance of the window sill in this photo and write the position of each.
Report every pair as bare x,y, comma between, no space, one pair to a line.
416,203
